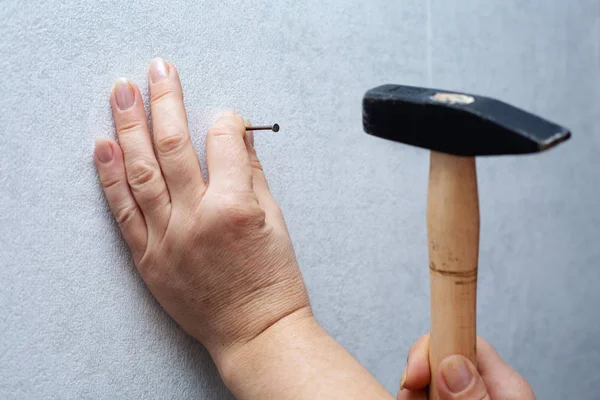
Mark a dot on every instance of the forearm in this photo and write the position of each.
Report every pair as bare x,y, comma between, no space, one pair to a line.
296,359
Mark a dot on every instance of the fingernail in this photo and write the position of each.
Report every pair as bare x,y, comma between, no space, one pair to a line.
158,70
403,378
228,113
457,374
249,134
104,151
124,94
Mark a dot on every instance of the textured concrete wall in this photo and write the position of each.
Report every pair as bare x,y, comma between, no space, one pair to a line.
75,320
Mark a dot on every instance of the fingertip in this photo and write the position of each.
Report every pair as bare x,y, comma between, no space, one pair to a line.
484,347
418,372
158,70
104,151
101,141
231,118
497,373
227,155
501,379
458,378
118,82
249,135
457,372
136,90
125,97
122,81
171,68
410,395
488,358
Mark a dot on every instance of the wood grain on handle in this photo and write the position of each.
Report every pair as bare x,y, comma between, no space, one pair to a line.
453,233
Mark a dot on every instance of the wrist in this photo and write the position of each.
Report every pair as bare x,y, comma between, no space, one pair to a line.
296,359
239,362
241,318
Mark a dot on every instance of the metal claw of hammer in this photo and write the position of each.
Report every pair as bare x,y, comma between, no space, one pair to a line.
456,127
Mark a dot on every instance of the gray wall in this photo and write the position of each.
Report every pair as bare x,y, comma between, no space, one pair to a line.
75,320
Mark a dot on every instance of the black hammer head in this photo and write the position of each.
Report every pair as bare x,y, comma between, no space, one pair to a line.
456,123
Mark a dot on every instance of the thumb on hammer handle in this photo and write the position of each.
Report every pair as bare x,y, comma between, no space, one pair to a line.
453,235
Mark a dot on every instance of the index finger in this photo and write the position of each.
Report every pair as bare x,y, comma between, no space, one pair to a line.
227,158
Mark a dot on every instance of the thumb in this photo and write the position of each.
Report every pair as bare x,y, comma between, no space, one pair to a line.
459,380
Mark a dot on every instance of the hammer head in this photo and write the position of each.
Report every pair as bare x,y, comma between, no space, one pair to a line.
456,123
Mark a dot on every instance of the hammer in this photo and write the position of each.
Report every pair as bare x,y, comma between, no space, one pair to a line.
456,127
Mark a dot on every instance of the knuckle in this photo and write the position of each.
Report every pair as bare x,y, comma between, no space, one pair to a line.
157,199
125,212
172,143
109,181
152,276
151,270
239,213
128,127
141,174
164,93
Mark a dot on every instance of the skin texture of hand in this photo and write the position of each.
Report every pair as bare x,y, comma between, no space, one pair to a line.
216,254
493,379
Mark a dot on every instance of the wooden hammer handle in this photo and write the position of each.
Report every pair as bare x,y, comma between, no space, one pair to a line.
453,233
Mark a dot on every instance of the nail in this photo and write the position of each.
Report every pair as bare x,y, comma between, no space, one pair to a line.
104,151
158,70
457,374
123,94
403,378
249,134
